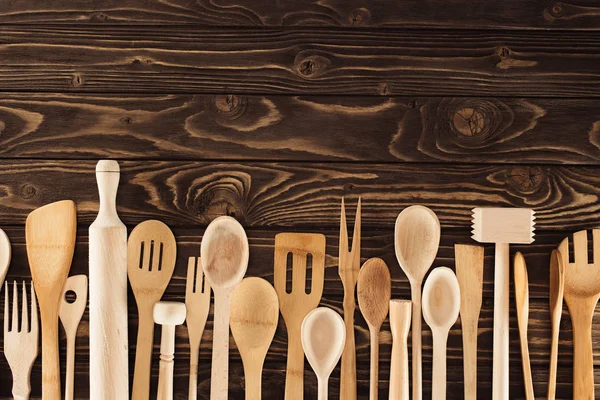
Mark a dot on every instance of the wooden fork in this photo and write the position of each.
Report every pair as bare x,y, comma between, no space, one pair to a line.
21,346
197,302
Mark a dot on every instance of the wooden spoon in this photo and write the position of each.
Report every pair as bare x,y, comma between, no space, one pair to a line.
253,320
417,239
557,286
374,291
50,233
70,315
4,256
323,338
522,300
224,259
441,304
400,313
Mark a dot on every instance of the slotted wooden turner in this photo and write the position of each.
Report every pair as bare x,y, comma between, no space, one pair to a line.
297,304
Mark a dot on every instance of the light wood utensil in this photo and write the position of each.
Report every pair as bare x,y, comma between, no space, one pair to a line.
253,319
109,359
374,292
557,285
349,266
224,259
168,314
20,346
417,239
50,233
502,226
151,254
197,304
70,315
581,293
5,253
441,304
323,337
522,304
469,271
297,304
400,314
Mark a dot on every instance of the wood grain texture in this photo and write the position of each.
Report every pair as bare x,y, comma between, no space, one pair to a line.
305,195
227,127
529,14
374,243
299,61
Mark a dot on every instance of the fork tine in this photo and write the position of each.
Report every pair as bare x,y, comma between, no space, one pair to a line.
343,231
5,307
15,309
580,246
34,312
596,244
199,277
189,282
24,313
356,235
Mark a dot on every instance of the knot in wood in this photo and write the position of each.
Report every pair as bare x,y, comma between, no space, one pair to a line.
230,106
557,10
27,191
359,17
219,194
98,17
469,121
126,120
77,80
503,52
310,66
384,89
525,179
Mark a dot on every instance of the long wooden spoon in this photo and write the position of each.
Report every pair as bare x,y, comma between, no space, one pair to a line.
374,291
50,233
441,303
557,286
323,338
253,320
400,313
522,300
417,239
224,259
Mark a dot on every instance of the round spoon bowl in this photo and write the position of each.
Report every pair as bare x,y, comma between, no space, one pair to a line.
441,299
323,338
224,252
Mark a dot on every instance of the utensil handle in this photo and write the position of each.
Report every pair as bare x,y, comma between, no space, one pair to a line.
501,294
294,379
108,183
219,377
469,336
374,386
553,360
69,379
143,354
21,388
323,388
417,372
348,372
253,377
193,386
165,373
438,390
583,357
399,369
50,355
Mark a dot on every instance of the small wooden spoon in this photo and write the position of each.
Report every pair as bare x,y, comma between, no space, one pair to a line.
417,239
441,304
522,300
557,286
4,256
374,292
224,259
253,320
323,338
400,313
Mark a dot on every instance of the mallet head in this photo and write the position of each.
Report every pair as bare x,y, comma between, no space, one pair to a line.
169,313
503,225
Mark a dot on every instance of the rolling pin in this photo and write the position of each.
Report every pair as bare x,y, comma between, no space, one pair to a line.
109,372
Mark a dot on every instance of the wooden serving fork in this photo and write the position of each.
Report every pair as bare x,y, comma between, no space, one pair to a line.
349,267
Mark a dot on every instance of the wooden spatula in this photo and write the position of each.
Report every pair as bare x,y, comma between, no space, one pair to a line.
522,303
50,233
295,305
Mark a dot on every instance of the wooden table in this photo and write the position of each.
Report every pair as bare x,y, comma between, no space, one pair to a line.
272,111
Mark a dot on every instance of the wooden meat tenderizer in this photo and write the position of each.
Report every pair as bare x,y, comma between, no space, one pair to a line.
168,314
502,226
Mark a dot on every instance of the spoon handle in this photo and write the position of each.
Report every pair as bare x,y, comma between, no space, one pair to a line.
553,357
417,373
583,358
374,387
219,377
253,377
438,389
294,379
322,383
143,353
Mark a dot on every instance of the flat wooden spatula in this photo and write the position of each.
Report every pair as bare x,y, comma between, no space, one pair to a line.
50,233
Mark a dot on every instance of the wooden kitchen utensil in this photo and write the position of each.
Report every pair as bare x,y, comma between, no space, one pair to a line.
400,314
469,271
417,239
297,304
323,337
151,254
522,304
20,346
224,259
5,253
581,292
557,286
374,291
70,314
349,267
502,226
50,236
253,319
197,304
441,304
168,314
109,357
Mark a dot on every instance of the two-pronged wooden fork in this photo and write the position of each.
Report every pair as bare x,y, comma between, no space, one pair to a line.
20,345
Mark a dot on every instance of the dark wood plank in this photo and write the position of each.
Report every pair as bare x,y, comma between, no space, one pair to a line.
299,61
521,14
374,244
304,195
228,127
